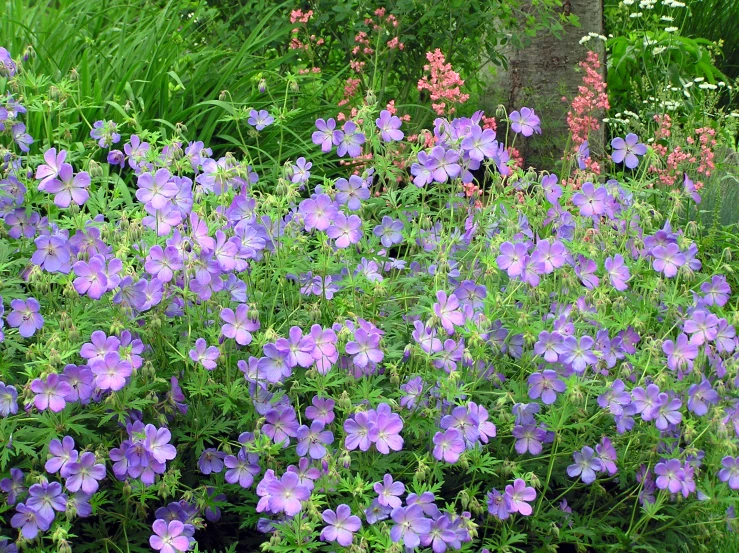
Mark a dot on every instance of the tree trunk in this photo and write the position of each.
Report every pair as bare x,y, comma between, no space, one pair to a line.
540,74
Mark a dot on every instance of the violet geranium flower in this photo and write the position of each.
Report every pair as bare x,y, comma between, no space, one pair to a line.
526,122
626,149
341,525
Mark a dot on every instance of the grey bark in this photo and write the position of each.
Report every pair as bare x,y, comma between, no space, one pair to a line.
540,74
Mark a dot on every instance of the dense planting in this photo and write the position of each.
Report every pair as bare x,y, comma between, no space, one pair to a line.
438,350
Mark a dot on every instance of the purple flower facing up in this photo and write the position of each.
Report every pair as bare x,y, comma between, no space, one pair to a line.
670,475
585,465
49,171
618,272
163,262
550,346
84,474
579,353
615,398
318,212
351,192
281,425
410,524
447,311
387,427
46,498
526,122
63,453
91,277
702,327
518,495
349,140
205,355
68,187
421,171
52,254
13,486
286,494
8,67
29,521
300,171
448,446
668,259
646,400
341,525
498,505
701,396
591,200
529,438
551,256
169,537
51,393
389,492
238,325
365,348
242,468
345,230
389,126
390,231
480,144
326,136
680,353
313,440
607,455
322,409
8,400
512,258
730,472
626,149
21,137
111,372
211,461
25,317
716,291
260,119
443,164
546,385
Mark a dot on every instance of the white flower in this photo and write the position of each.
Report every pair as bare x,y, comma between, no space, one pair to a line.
667,18
721,83
671,29
688,84
584,39
707,86
627,2
635,15
699,79
658,50
734,114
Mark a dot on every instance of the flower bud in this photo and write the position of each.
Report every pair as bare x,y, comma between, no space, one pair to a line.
262,86
94,169
370,98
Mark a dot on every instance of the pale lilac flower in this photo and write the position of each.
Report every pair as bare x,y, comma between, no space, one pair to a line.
51,393
668,259
389,231
68,187
730,472
169,536
410,525
607,455
716,291
526,122
313,440
670,475
550,346
360,432
301,170
545,385
591,200
626,149
448,446
287,494
326,136
29,521
49,171
84,474
518,495
349,140
585,465
447,310
341,525
618,272
25,316
389,126
63,453
318,212
238,325
260,119
110,372
345,230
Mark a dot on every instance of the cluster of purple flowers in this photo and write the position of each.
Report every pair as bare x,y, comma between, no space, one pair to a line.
515,499
144,454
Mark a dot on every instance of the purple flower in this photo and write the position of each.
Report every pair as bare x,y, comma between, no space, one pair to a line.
156,190
702,326
365,348
550,346
618,272
387,427
341,525
546,385
204,355
645,401
326,136
700,396
84,474
286,494
389,491
8,400
49,171
518,496
91,277
163,262
51,393
25,317
667,412
449,445
29,521
583,153
585,465
585,270
21,137
68,187
345,230
360,432
281,424
349,141
105,132
717,291
529,438
479,143
211,461
525,123
169,536
579,354
390,231
591,200
447,310
615,398
552,190
260,119
422,171
670,475
111,371
13,486
313,440
410,524
63,453
301,170
52,253
318,212
626,149
46,498
512,258
668,259
242,468
730,472
607,455
389,126
321,410
7,65
443,164
551,255
681,353
497,505
238,325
